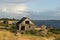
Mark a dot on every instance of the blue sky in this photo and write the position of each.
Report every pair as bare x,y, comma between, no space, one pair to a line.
34,9
43,4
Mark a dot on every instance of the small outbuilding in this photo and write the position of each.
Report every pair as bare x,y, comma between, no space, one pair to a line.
25,24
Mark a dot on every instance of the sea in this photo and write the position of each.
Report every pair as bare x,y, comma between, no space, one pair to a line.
48,23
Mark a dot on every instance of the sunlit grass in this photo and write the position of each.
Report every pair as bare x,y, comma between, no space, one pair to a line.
7,35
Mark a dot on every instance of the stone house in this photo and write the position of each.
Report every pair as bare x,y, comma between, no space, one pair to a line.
11,22
1,21
8,21
25,24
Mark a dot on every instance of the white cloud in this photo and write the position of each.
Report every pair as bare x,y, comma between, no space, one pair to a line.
5,10
14,8
13,1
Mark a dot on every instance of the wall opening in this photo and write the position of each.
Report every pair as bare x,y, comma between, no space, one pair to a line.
23,28
5,22
27,22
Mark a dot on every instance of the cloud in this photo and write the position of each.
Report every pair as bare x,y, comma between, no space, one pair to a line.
45,15
13,8
13,12
13,1
11,15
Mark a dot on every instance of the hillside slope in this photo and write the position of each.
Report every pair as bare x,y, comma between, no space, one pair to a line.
6,35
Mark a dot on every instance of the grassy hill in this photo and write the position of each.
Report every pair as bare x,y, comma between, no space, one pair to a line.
7,35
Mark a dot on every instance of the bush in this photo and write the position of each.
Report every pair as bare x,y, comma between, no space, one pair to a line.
55,31
32,32
13,28
6,25
57,38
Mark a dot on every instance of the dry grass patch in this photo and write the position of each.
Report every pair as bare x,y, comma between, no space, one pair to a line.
7,35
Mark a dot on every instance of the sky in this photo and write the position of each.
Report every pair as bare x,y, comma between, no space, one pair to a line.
33,9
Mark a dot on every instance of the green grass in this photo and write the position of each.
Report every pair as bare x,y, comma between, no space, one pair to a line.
1,24
55,31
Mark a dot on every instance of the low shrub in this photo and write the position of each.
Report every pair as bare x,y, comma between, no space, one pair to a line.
32,32
57,38
55,31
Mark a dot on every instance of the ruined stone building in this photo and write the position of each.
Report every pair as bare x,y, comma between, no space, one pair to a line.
25,24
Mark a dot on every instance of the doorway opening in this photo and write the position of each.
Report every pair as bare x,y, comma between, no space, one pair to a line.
23,28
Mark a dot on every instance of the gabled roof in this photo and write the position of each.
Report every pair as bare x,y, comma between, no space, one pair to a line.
22,20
